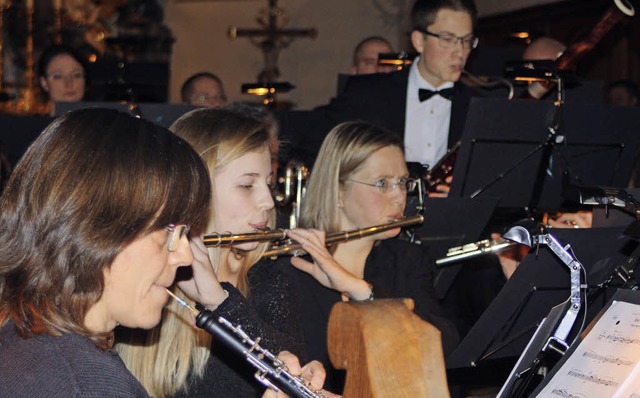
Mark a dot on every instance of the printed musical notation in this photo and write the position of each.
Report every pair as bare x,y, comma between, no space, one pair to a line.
592,378
618,339
565,394
607,362
607,359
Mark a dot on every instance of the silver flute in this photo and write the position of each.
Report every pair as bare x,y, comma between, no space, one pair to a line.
471,250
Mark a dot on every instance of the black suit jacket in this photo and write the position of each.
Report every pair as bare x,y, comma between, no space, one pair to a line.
376,98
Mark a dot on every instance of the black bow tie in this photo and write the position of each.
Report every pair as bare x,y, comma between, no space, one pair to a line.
424,94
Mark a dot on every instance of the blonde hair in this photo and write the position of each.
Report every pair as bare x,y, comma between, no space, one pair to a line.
219,136
343,151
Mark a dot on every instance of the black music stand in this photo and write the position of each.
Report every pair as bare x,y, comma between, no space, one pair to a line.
452,221
448,223
540,283
506,152
161,114
18,132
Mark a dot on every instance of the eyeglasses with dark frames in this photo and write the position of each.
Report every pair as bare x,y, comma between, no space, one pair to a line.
386,186
449,40
176,233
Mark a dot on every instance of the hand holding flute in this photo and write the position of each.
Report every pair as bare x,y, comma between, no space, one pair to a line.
324,268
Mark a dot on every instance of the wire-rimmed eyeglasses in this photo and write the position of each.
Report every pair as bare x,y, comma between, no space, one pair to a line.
176,233
58,77
384,185
449,40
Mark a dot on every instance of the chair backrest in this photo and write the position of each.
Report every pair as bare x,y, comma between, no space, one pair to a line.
387,350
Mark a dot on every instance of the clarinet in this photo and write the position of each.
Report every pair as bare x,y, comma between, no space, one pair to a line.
442,169
271,371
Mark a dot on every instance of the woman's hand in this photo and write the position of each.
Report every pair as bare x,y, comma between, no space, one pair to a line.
324,268
511,258
313,373
442,190
203,286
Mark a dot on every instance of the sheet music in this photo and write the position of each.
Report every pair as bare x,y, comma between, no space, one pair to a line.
607,361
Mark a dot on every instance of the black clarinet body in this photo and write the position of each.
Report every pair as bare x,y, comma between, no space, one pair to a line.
271,371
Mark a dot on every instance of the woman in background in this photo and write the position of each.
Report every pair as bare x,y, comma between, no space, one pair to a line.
63,76
359,180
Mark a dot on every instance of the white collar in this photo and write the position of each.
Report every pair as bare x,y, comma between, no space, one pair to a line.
416,79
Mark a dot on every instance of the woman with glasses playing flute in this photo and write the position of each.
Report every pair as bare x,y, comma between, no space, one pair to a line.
252,293
359,179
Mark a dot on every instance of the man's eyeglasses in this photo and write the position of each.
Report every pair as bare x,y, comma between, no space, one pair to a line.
58,77
385,186
448,40
176,233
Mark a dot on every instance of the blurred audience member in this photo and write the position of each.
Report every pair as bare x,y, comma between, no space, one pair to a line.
623,93
63,76
205,89
365,56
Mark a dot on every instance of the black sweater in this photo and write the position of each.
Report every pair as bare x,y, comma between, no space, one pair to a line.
271,313
61,366
396,269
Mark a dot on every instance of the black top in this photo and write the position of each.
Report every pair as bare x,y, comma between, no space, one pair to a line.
378,98
271,313
396,269
61,366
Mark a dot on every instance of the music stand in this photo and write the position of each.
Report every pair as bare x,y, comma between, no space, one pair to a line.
503,154
621,295
18,132
448,223
161,114
540,283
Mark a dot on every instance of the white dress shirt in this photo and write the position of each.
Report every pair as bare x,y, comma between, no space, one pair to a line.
426,132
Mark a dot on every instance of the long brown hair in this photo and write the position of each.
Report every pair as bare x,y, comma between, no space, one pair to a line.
94,181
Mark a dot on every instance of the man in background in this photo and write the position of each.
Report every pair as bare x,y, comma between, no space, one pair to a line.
204,89
365,56
623,93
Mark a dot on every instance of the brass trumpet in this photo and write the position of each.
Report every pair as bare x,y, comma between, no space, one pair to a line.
295,249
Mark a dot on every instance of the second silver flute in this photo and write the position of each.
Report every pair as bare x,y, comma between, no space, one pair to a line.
471,250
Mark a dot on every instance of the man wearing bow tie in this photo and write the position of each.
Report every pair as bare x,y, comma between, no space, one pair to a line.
443,36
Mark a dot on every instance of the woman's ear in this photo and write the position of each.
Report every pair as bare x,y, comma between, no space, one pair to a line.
44,84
